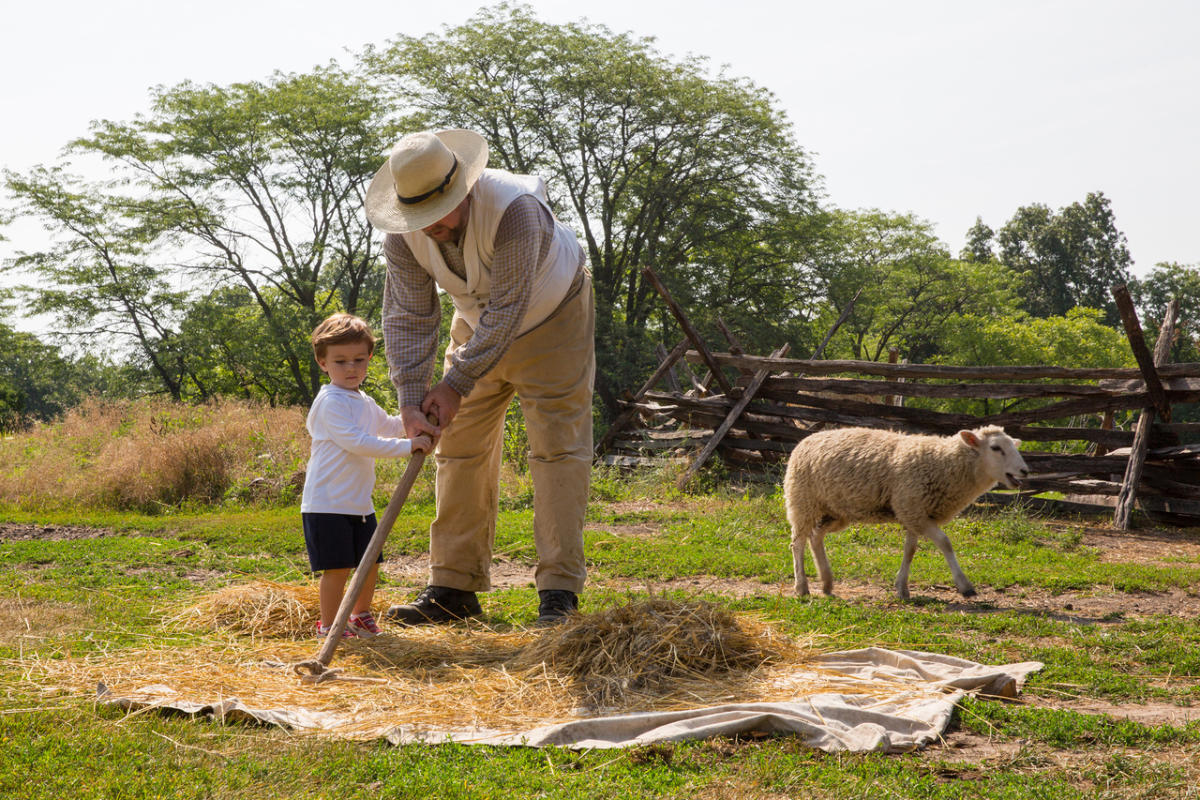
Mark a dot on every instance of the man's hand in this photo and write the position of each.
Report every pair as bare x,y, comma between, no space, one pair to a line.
442,401
415,424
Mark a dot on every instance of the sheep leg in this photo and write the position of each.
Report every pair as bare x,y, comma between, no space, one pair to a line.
942,541
910,549
799,541
817,543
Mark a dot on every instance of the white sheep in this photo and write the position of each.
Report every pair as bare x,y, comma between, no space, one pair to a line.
838,477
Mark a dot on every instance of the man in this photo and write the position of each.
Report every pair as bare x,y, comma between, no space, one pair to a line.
523,322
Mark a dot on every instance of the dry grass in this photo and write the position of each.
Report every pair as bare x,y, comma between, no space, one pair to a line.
146,454
24,620
649,656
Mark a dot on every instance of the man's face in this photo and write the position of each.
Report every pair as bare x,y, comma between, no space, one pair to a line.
450,227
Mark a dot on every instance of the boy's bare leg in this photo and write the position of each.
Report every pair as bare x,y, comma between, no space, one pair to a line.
333,586
330,589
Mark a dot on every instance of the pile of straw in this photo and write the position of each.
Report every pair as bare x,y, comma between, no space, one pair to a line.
648,651
632,655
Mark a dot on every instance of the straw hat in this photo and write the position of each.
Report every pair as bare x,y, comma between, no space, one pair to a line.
427,175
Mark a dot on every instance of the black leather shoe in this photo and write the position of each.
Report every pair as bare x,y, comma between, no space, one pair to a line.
436,604
555,605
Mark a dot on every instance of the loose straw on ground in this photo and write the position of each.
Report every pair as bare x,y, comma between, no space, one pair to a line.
652,655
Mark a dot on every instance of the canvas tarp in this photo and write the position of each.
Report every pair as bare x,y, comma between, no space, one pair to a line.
882,700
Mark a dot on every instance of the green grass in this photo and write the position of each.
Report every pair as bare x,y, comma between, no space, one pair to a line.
749,539
1066,729
156,757
111,588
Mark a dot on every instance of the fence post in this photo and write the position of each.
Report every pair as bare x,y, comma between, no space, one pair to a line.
747,395
1123,515
689,331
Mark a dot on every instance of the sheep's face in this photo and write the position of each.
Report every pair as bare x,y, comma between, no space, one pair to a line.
1001,458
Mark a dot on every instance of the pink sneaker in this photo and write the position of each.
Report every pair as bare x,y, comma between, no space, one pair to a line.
364,625
323,631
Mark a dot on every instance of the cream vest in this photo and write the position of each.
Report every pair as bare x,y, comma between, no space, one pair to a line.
490,197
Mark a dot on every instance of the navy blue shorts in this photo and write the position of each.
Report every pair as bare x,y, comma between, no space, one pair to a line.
337,541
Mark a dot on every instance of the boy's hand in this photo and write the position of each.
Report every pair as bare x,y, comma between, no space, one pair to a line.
422,444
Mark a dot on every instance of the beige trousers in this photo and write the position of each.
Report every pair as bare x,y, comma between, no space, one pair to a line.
551,368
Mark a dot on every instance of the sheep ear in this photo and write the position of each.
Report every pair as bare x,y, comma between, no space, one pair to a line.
1016,442
969,438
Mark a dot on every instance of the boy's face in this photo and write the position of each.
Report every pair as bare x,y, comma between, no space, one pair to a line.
346,364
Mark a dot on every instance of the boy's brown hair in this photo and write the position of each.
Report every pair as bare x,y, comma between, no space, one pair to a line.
341,328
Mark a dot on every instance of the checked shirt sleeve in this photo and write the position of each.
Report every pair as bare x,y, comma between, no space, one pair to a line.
411,321
522,242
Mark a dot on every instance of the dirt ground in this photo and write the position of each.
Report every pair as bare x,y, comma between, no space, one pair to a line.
1152,546
16,531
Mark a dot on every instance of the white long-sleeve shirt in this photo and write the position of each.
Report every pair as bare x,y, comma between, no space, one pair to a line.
349,431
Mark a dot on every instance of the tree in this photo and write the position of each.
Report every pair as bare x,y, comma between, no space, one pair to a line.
655,162
910,291
97,279
1066,259
979,243
225,330
1080,338
256,186
1077,339
1166,282
38,381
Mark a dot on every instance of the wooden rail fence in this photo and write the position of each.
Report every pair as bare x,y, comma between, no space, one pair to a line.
762,406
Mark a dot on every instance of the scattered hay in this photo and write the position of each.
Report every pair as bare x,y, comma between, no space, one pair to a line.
651,650
262,609
655,655
34,621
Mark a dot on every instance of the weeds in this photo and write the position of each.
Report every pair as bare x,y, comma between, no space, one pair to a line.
150,455
154,455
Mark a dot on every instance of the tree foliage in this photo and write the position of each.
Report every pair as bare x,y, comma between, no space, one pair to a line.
255,188
1166,282
1068,258
38,381
909,290
1080,338
979,243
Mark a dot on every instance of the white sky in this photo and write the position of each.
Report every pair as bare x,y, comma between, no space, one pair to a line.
947,109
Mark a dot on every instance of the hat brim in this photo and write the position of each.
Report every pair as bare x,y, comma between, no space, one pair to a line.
386,213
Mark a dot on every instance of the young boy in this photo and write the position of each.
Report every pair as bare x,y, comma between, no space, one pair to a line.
349,431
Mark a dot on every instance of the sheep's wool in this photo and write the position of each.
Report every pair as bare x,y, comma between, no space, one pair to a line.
838,477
